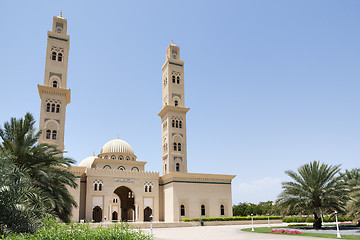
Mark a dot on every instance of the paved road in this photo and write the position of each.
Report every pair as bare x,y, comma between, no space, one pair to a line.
229,232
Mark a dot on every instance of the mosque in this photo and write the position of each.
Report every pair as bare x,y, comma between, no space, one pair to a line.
114,185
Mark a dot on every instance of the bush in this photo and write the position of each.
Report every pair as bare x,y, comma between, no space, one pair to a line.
297,225
211,219
51,229
311,219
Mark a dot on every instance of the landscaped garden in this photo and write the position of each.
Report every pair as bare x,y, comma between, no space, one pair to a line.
302,231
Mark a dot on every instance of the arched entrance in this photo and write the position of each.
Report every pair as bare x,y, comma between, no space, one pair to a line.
97,214
127,200
114,216
147,214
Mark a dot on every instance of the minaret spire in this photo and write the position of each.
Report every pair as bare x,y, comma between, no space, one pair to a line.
173,114
53,93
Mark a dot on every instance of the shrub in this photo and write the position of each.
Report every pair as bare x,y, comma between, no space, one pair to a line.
297,225
51,229
311,219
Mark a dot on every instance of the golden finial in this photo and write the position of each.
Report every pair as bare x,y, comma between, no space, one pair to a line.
117,136
61,13
93,153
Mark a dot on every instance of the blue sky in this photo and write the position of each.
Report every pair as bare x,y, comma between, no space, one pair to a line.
271,85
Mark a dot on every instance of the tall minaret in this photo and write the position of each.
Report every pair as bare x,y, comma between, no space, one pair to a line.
173,114
54,95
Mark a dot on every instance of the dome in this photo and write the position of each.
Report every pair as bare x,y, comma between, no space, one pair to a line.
117,145
87,162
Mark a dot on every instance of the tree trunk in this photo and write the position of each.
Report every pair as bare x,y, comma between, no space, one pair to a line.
317,222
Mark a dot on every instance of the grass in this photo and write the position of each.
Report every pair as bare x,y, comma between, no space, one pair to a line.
322,235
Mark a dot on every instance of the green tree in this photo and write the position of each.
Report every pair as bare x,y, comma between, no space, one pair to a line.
22,205
352,178
47,168
316,189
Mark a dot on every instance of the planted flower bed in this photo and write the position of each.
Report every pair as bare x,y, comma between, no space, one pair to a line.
286,231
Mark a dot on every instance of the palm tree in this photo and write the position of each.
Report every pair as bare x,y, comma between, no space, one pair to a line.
22,205
316,189
352,178
47,168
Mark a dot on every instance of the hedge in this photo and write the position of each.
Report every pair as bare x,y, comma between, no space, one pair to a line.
210,219
311,219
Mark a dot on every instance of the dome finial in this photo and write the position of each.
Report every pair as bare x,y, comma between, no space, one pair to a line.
172,43
93,153
117,136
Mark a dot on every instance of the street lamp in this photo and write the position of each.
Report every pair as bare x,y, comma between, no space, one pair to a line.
252,223
337,226
268,219
105,221
151,231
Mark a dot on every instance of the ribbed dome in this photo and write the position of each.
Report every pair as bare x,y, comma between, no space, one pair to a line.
117,145
87,162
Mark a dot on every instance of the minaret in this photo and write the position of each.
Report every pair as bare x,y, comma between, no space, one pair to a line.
54,95
173,113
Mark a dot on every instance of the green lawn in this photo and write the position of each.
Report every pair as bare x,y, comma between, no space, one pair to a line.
323,235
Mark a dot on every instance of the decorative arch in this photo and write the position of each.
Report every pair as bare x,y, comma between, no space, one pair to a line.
122,168
135,169
176,99
107,166
56,79
127,203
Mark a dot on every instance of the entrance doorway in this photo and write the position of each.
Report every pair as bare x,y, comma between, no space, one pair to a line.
114,216
127,200
97,214
147,214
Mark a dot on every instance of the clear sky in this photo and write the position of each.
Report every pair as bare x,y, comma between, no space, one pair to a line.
270,85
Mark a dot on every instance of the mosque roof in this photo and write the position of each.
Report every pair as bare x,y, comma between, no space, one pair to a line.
118,146
87,162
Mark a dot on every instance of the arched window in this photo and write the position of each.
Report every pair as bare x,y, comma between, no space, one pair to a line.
182,210
202,210
176,103
53,107
60,57
175,146
177,123
150,190
95,186
180,124
179,147
48,107
146,188
100,186
222,210
54,134
48,134
173,79
178,80
55,84
106,157
58,108
121,157
53,56
178,167
173,123
165,168
113,157
128,158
